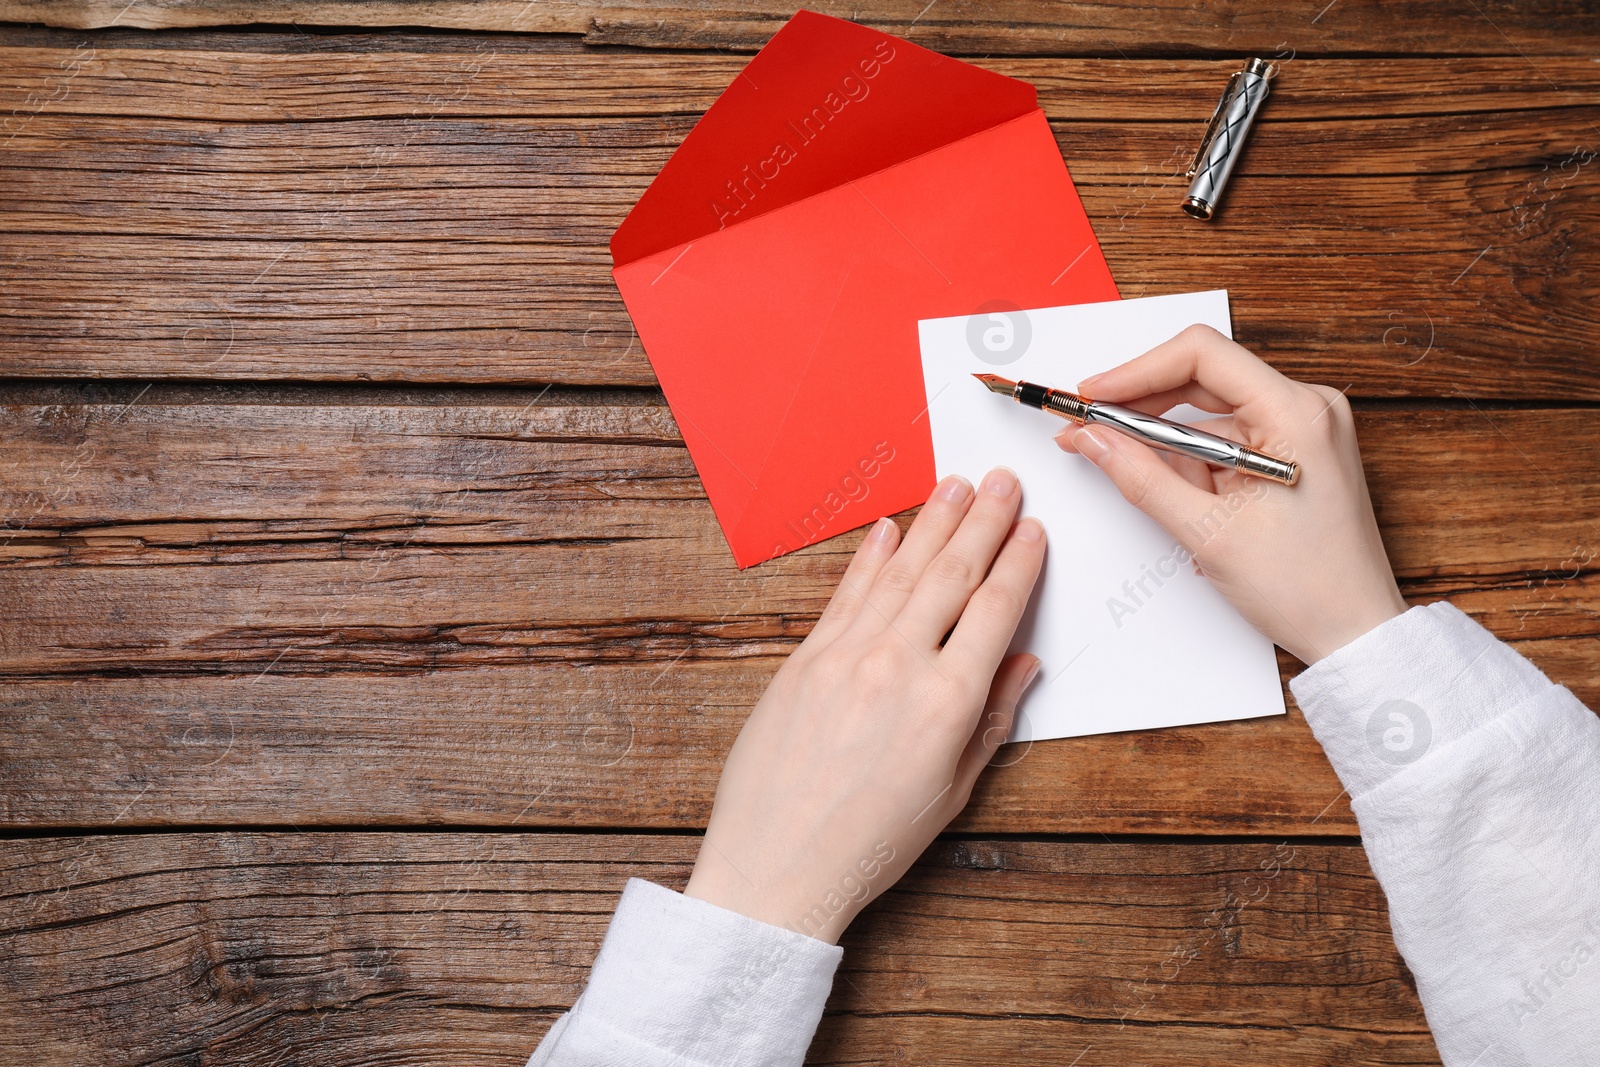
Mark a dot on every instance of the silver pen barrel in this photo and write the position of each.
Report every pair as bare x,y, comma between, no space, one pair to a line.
1188,441
1158,432
1224,137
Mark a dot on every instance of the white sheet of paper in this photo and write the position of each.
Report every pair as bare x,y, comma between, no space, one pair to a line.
1130,639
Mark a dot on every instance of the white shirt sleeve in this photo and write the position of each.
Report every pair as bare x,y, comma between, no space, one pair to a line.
1476,783
684,983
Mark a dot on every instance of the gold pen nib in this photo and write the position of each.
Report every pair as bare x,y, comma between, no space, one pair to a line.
996,384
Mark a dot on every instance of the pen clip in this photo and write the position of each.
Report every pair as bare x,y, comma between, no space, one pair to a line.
1233,86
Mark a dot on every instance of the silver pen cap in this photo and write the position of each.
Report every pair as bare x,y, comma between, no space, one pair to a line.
1225,136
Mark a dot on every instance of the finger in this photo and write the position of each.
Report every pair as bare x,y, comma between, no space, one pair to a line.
996,606
1194,471
942,591
1192,393
875,550
1016,673
929,533
1228,371
1143,479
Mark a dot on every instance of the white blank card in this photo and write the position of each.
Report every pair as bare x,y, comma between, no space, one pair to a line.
1130,637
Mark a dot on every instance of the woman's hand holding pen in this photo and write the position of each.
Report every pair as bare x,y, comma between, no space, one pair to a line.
870,737
1305,563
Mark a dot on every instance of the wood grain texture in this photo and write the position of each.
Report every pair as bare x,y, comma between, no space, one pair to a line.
334,607
1410,227
447,607
1495,27
604,745
255,949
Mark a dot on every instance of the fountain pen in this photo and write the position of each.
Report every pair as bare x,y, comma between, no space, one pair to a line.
1153,431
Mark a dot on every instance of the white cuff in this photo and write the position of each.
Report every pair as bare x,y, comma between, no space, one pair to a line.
1409,687
681,981
1473,780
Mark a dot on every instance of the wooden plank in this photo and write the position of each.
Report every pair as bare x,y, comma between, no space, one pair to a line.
287,78
602,744
329,607
449,948
187,598
634,742
107,479
458,205
1008,26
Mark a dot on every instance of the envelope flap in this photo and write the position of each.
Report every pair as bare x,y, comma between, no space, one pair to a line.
825,102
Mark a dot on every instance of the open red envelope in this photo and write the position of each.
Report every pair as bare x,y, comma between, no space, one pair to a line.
847,184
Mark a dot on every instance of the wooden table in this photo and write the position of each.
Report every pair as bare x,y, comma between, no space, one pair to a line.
365,624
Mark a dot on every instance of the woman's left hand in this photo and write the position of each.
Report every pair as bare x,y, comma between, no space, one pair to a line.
869,739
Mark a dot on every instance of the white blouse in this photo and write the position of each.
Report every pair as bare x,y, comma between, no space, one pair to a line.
1476,783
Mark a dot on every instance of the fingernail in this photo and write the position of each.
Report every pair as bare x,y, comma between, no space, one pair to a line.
1000,482
1033,672
1029,530
1088,383
880,531
1088,444
954,488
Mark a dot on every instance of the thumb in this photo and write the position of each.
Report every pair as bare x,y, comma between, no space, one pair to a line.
1143,478
1010,681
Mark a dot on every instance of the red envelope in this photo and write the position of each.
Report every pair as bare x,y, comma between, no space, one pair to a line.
847,184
